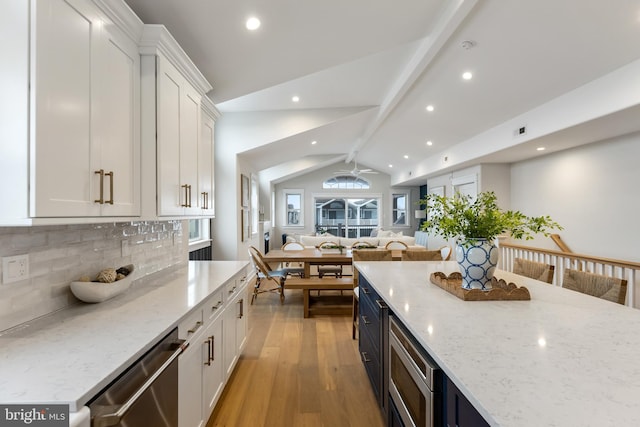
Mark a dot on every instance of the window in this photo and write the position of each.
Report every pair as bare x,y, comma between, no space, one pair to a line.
346,217
399,207
346,181
199,233
294,200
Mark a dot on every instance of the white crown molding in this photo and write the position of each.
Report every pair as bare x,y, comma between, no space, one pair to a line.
209,107
157,39
122,16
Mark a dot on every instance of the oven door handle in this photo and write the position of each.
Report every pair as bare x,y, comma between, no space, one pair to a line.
114,418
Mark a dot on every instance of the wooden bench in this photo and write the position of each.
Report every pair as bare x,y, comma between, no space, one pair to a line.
323,304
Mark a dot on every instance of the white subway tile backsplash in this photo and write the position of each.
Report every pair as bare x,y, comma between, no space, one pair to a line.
60,254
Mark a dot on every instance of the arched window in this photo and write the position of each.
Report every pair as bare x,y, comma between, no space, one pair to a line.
346,181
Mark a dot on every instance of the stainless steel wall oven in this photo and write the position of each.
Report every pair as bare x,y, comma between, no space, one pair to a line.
415,381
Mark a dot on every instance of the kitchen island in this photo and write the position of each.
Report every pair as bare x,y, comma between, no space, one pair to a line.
560,359
69,356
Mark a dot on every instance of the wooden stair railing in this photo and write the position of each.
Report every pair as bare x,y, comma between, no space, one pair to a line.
568,260
558,241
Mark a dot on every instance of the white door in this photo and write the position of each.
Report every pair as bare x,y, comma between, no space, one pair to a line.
213,373
190,365
64,45
205,166
189,137
168,143
118,135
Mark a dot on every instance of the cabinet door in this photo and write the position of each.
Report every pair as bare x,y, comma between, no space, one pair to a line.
117,137
178,111
190,383
64,44
169,83
213,372
205,165
229,347
460,412
189,137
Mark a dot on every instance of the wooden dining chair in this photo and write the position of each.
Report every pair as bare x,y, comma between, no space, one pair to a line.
410,255
264,273
606,287
328,268
396,245
534,269
290,269
363,255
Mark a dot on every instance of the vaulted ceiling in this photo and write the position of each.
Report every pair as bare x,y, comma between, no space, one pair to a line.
365,71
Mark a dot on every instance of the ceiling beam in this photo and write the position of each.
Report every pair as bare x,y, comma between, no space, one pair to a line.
450,19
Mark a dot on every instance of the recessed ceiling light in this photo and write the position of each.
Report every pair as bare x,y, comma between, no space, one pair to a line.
390,166
406,156
540,148
253,23
467,75
295,98
429,143
314,142
430,108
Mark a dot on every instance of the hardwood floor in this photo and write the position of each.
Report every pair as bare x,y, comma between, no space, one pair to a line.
297,372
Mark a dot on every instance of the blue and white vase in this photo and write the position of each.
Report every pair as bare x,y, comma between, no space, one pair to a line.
477,263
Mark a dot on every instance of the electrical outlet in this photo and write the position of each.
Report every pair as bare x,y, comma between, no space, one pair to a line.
15,268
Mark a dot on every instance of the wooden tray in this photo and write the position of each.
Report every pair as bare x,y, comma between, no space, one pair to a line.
502,291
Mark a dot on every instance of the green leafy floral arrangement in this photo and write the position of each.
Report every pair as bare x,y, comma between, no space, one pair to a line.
468,220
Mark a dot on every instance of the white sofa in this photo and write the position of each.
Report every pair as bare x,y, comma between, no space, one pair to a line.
313,241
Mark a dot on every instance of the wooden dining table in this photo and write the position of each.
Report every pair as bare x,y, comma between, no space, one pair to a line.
315,256
309,256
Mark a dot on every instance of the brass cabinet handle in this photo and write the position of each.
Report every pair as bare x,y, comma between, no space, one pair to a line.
208,343
186,192
189,199
205,200
195,327
101,199
365,359
365,320
217,306
241,302
213,348
110,175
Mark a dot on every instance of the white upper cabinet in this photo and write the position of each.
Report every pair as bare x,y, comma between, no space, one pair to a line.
176,136
178,112
205,158
71,141
84,120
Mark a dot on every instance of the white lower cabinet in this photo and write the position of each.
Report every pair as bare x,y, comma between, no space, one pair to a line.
235,324
190,380
218,335
213,374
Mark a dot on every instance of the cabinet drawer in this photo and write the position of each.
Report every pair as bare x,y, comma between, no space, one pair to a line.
214,304
369,314
369,354
190,325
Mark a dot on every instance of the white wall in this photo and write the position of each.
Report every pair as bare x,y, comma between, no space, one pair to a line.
311,183
592,191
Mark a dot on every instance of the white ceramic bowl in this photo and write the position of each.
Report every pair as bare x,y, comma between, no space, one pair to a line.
98,292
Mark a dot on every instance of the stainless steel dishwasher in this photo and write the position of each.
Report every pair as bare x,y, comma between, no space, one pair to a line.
146,394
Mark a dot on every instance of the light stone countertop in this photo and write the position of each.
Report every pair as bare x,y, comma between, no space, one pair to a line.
561,359
69,356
